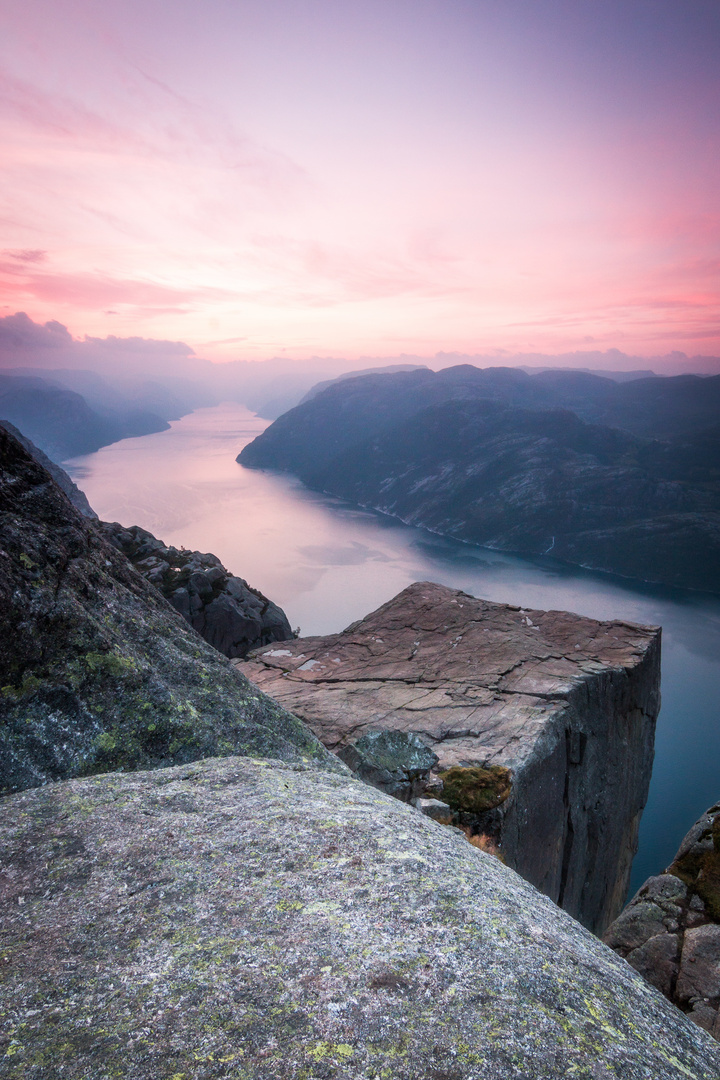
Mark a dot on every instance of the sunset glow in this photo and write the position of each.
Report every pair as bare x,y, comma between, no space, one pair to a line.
297,178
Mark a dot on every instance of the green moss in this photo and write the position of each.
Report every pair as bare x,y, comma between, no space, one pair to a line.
475,789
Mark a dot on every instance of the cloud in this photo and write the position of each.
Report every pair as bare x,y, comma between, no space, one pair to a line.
32,255
18,331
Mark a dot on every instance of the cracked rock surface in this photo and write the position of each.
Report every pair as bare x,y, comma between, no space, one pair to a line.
566,704
256,920
670,930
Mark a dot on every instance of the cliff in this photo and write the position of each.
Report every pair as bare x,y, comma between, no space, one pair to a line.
670,930
259,921
433,451
97,670
542,724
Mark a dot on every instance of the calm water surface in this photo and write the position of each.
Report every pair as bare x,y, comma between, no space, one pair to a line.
327,564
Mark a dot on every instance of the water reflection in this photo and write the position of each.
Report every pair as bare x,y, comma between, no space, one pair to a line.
328,564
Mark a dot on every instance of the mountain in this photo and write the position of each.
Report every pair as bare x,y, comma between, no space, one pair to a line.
518,463
62,423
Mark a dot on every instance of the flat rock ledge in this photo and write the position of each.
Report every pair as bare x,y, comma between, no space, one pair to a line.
259,921
562,706
670,930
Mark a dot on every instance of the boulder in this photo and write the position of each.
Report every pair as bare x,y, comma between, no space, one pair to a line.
264,921
542,722
223,608
670,930
97,670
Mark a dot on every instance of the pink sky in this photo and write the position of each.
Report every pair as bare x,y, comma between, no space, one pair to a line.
299,177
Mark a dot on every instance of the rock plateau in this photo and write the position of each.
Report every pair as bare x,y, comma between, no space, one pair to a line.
542,723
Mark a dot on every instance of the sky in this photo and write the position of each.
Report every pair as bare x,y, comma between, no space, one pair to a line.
261,178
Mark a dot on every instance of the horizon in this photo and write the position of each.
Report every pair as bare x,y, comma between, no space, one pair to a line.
280,180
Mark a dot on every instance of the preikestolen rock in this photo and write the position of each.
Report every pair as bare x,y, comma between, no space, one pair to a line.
670,930
97,670
543,723
393,761
259,921
230,614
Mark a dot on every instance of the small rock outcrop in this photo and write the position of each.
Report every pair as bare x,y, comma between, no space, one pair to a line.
97,671
259,921
542,723
223,608
670,930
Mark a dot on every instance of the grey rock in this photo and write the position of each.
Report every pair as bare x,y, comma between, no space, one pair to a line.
686,898
700,964
97,670
436,809
77,497
260,921
657,959
562,706
231,615
393,761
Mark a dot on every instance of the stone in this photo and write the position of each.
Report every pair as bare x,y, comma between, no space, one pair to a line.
563,706
265,921
657,959
393,761
700,964
230,614
437,810
686,901
97,671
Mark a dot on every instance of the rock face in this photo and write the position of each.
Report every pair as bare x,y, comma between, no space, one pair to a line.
258,921
511,461
61,478
223,608
670,930
543,724
97,671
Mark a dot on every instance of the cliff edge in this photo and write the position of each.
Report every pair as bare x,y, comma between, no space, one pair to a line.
542,724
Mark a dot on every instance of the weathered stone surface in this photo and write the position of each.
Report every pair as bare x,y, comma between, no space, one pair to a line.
255,921
77,497
97,671
685,900
567,704
223,608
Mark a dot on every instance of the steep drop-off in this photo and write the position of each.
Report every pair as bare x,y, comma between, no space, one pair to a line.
542,723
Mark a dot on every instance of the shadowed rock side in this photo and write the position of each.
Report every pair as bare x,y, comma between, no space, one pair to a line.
543,724
257,921
224,609
455,453
77,497
670,930
97,671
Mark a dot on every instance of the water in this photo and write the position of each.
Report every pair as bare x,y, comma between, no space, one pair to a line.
327,563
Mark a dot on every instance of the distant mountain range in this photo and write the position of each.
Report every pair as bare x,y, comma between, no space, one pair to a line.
622,477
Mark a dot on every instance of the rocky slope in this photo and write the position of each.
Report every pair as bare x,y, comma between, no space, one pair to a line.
430,449
259,921
541,724
97,670
670,930
223,608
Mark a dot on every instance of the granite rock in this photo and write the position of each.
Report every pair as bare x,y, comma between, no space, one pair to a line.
223,608
556,711
683,904
252,920
97,670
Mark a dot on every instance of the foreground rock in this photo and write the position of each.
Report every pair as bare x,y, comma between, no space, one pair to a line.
543,724
97,671
250,920
223,608
670,930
